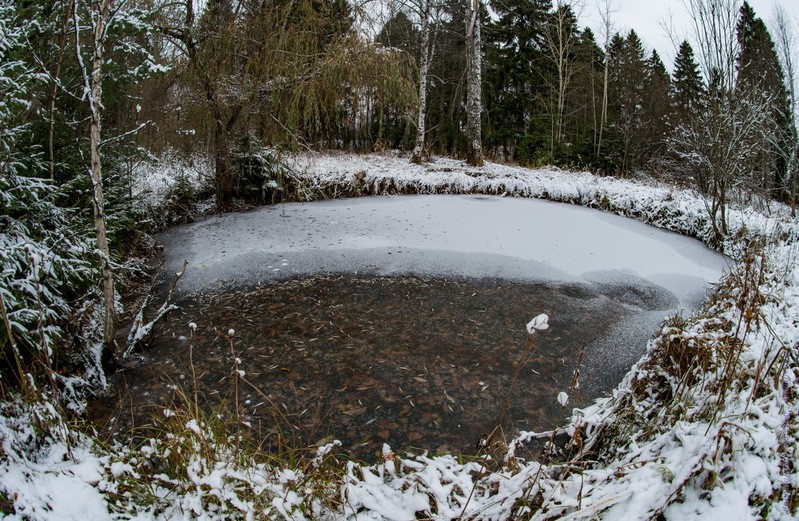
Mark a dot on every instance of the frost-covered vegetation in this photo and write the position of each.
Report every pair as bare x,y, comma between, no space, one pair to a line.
704,424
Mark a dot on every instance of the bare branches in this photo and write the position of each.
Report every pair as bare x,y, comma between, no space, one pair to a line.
139,331
561,35
714,30
786,46
720,144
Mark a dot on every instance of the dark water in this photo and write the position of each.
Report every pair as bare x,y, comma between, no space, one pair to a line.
419,364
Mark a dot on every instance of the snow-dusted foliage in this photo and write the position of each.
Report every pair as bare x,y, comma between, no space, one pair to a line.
704,426
165,189
41,258
14,77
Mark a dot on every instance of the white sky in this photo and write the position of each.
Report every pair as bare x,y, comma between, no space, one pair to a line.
647,17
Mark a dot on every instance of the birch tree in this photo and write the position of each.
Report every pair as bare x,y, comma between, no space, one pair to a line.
100,28
561,36
786,45
429,13
474,106
100,14
606,11
714,25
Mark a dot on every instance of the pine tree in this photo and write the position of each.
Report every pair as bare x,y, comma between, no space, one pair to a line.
687,89
514,68
584,102
757,62
628,76
759,75
399,33
43,260
656,108
446,109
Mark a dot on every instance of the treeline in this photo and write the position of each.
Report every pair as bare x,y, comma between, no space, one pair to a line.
553,94
241,75
301,74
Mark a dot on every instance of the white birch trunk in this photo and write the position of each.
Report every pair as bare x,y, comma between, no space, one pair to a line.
607,27
93,86
474,150
604,118
419,154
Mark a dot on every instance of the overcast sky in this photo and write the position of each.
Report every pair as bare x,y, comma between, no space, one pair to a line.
647,17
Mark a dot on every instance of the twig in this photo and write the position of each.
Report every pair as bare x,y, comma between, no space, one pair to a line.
139,331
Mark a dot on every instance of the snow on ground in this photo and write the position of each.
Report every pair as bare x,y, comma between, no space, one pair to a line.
154,182
708,440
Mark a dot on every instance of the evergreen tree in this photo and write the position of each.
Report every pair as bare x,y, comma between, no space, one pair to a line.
656,108
758,66
446,97
399,33
628,75
514,70
687,88
759,76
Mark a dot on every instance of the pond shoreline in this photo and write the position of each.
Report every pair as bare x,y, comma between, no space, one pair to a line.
420,364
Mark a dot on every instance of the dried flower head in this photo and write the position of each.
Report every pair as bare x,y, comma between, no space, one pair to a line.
539,323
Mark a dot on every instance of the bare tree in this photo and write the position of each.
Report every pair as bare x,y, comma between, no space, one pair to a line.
561,36
722,140
715,42
605,11
786,44
100,14
719,143
474,106
429,15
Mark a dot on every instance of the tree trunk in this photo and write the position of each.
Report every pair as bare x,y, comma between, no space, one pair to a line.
419,154
62,43
562,80
607,29
95,88
604,118
223,171
474,147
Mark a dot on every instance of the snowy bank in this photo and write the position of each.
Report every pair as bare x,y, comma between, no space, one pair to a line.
704,426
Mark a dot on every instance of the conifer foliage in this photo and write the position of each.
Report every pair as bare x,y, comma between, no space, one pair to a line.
760,76
687,89
44,260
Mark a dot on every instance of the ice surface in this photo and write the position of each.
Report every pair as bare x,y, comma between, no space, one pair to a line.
443,235
657,273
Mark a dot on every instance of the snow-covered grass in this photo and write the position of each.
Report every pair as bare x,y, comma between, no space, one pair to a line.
166,189
706,425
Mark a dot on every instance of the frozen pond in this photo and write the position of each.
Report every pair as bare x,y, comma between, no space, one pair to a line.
441,236
401,319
